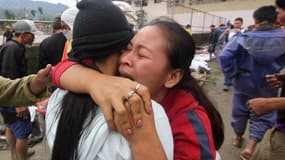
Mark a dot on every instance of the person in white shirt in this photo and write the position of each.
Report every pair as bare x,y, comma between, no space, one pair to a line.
75,125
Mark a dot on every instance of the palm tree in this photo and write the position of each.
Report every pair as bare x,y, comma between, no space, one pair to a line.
9,14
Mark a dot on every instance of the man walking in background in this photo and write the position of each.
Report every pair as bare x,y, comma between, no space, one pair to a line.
212,43
229,34
13,65
8,34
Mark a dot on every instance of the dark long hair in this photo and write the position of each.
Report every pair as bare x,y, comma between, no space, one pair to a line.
74,112
181,50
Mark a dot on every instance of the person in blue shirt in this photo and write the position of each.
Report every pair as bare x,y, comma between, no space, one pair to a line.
247,59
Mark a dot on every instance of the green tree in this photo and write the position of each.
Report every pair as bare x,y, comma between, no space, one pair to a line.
33,12
9,14
40,10
141,20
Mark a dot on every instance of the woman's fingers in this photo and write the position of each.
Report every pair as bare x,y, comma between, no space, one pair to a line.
143,92
136,106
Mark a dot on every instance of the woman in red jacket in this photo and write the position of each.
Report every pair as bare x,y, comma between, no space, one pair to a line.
159,57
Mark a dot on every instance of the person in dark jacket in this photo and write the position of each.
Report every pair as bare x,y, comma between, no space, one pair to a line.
8,34
272,145
13,65
248,58
51,48
212,43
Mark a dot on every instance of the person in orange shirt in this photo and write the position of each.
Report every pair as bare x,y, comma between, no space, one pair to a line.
67,19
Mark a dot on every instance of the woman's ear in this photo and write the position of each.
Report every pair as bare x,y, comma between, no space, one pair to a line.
174,78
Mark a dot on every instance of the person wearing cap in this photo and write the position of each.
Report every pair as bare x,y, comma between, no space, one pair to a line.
8,34
51,48
75,126
13,65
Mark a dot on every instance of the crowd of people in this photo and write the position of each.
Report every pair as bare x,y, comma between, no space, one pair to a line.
126,95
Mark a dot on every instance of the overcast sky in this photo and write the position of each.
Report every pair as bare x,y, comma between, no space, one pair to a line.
66,2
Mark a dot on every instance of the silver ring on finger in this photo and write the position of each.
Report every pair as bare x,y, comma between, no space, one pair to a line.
130,94
137,87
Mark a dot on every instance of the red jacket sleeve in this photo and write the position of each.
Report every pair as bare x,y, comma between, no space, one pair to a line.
193,135
59,69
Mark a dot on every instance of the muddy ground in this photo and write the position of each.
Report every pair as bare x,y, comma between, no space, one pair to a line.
213,87
223,101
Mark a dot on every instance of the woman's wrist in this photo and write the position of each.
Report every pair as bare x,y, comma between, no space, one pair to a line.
140,149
